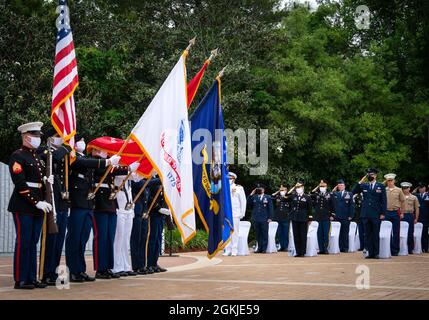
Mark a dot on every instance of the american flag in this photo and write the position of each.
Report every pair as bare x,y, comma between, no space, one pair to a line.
63,115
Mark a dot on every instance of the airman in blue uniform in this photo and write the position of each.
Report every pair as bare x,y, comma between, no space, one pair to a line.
344,212
374,207
423,198
262,214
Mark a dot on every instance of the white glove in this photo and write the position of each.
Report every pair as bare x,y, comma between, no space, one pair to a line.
164,211
44,206
49,179
135,177
134,166
114,160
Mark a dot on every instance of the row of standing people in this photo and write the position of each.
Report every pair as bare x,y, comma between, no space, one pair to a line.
118,224
368,203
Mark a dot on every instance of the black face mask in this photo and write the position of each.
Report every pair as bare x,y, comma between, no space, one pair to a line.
371,178
258,191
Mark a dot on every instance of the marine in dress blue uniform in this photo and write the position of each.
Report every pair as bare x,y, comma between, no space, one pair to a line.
323,208
55,241
27,205
79,223
423,198
374,207
300,215
343,213
262,214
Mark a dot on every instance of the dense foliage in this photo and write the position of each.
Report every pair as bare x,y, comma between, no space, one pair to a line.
334,98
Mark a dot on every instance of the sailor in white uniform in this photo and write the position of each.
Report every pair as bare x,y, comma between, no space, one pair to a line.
121,247
238,201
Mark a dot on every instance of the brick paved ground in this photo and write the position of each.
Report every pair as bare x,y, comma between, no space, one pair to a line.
270,276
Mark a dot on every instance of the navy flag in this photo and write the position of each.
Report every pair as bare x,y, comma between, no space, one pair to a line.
212,195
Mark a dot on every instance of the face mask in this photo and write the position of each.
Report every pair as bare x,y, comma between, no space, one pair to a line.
322,189
35,142
103,154
258,191
57,141
282,193
300,190
80,146
231,181
371,178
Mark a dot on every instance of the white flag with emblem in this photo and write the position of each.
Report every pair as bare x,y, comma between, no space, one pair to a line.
164,136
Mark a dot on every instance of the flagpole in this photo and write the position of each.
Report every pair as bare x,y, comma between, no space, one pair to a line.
91,195
142,189
115,193
213,54
146,215
191,43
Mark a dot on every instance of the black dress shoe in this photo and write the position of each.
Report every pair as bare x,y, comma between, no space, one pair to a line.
113,275
49,281
150,270
161,269
394,254
123,274
142,271
86,277
39,285
23,285
369,257
102,275
76,278
132,273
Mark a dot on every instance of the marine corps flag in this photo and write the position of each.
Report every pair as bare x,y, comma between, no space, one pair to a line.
163,135
212,195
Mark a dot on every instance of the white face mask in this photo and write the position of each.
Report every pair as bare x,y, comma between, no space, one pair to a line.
102,154
35,142
322,189
282,193
80,146
57,141
231,181
300,190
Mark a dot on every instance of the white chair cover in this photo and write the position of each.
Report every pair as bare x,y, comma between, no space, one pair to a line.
243,234
272,230
352,237
311,249
403,237
334,238
291,246
418,231
385,235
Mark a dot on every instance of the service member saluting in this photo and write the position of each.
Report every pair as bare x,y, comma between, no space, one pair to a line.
373,210
322,203
27,204
262,214
300,214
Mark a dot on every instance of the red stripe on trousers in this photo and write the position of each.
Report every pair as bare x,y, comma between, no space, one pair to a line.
94,223
18,247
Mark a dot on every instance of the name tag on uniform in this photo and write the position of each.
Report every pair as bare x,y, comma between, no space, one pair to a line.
378,190
365,190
